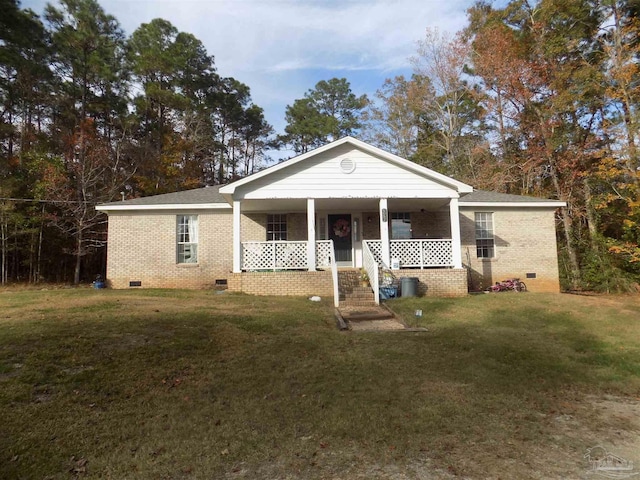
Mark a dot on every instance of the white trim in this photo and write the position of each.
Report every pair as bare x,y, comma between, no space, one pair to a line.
384,215
225,206
172,206
414,167
456,239
311,234
462,203
237,237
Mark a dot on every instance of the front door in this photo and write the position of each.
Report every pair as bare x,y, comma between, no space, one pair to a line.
340,233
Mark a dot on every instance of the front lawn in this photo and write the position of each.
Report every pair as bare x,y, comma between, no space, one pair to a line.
196,384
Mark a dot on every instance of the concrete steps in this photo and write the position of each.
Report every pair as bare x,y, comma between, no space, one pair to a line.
358,310
352,293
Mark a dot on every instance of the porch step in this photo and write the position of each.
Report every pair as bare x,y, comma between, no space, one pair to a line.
365,313
348,279
360,293
357,303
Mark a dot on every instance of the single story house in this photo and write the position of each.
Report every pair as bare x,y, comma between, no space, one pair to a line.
288,229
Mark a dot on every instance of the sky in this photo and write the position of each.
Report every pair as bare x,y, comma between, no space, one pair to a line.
282,48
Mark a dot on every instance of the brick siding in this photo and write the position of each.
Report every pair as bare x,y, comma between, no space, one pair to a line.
142,248
297,227
282,283
440,282
525,242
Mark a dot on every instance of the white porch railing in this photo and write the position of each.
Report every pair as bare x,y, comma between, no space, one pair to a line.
325,254
281,255
372,268
422,253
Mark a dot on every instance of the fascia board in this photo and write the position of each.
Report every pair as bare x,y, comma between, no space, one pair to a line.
462,203
177,206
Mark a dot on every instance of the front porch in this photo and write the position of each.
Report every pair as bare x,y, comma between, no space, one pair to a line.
393,239
282,268
296,234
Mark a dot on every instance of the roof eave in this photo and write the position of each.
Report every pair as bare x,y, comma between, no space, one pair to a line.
173,206
514,204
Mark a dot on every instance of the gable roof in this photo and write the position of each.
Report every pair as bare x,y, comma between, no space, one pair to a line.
221,196
197,198
481,198
230,189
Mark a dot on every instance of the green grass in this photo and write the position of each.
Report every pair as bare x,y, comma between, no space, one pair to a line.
195,384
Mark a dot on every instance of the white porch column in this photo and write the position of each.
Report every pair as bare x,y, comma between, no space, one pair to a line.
456,246
311,234
384,232
237,238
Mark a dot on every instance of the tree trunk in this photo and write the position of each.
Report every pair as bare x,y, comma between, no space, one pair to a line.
567,227
76,274
3,251
39,258
592,223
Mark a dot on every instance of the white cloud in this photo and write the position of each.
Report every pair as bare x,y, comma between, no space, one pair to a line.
281,48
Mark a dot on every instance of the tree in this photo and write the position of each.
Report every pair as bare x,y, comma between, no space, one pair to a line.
25,79
617,193
74,185
449,106
541,64
392,119
193,124
327,112
89,58
71,136
25,89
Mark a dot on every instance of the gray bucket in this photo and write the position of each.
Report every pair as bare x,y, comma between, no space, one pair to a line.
408,286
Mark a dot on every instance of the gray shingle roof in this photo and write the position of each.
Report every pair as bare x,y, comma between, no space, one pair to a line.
211,194
187,197
494,197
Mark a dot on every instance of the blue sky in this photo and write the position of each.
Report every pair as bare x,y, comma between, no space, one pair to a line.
282,48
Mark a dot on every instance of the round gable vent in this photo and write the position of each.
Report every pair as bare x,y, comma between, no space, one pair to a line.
347,165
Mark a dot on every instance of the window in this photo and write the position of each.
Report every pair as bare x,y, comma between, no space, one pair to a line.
400,225
187,239
277,227
485,243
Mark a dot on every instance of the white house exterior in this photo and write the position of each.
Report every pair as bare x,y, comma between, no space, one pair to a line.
346,204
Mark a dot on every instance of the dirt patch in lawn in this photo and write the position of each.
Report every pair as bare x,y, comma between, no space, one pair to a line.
608,424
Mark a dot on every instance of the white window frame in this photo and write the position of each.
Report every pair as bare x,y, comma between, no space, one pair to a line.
186,239
276,227
485,237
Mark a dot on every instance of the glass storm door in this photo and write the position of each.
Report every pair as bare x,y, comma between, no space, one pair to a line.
340,233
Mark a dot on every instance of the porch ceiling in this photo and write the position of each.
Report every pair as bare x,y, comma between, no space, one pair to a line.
344,204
